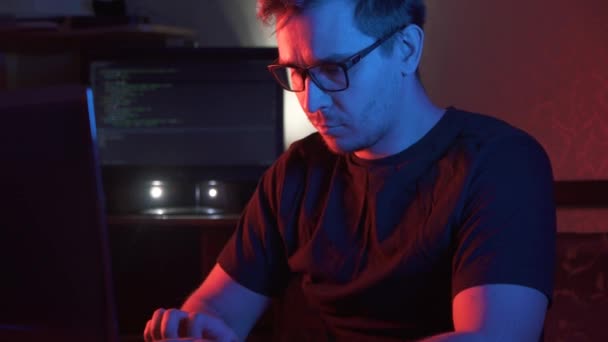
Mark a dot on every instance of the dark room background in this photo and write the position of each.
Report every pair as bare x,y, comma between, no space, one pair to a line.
540,65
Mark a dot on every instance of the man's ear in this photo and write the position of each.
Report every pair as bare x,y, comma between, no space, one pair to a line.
410,42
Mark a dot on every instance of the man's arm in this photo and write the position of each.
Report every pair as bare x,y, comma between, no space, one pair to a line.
496,312
221,296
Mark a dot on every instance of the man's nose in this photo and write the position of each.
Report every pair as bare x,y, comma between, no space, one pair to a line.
315,98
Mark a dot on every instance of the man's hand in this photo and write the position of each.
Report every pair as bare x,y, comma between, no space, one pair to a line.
174,323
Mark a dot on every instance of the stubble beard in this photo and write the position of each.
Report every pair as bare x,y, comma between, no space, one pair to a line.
368,142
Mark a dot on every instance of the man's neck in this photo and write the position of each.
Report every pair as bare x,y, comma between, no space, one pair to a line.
419,116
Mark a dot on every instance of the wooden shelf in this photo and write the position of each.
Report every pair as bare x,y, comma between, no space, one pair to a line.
45,40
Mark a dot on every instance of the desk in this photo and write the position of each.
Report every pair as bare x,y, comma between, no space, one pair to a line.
158,261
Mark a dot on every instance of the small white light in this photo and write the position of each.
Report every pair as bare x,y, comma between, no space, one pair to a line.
157,183
156,192
212,192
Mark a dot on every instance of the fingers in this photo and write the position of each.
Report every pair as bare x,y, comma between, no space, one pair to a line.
148,332
155,325
197,323
204,326
173,324
170,323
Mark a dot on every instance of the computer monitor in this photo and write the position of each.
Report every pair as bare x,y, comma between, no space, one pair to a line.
56,283
180,120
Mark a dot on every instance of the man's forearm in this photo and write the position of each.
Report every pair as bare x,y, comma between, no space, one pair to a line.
197,303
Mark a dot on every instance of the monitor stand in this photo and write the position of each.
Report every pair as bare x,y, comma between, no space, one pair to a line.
186,211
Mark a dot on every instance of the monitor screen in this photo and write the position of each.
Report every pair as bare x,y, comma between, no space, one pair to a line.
187,107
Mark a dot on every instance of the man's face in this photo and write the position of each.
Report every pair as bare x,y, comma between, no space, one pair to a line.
359,117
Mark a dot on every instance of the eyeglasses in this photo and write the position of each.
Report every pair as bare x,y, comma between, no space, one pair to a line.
328,76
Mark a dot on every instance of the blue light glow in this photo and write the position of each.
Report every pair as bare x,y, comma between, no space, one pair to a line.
92,122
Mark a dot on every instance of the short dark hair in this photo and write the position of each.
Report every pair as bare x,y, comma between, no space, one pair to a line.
373,17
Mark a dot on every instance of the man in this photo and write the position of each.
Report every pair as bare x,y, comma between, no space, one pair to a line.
405,220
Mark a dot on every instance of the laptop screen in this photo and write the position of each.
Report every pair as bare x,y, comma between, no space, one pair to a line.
54,248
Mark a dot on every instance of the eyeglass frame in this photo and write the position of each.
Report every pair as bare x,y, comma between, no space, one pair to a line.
345,65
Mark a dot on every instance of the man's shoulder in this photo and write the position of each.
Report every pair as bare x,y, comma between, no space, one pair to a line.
484,130
308,150
484,126
302,155
291,172
490,143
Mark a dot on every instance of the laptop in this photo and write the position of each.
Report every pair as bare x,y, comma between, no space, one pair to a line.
55,264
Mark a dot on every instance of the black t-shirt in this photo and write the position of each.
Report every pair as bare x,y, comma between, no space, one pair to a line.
383,246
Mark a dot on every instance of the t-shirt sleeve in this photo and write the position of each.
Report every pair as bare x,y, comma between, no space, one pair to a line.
507,231
255,256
